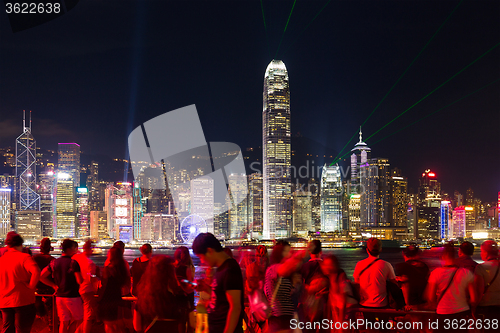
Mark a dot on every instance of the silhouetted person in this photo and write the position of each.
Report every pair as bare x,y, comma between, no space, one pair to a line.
19,276
489,281
465,253
43,259
139,266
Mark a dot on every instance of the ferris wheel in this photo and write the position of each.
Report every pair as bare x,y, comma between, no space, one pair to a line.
191,227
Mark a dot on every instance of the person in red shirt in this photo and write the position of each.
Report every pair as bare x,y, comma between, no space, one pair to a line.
19,275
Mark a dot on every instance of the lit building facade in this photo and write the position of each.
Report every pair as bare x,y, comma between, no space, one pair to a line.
470,221
202,200
93,186
26,169
444,219
5,194
69,161
255,204
429,206
354,212
458,223
28,224
98,225
82,212
158,227
64,206
302,212
138,210
46,181
276,141
238,214
374,181
331,199
360,156
119,208
398,205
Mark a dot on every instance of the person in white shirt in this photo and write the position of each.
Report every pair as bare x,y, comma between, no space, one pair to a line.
450,287
488,281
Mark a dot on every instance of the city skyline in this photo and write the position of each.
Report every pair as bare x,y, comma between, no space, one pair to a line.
96,82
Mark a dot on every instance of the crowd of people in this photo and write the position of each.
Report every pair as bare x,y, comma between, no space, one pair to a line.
157,292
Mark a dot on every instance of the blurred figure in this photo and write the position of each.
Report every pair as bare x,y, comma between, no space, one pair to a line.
19,276
225,310
161,305
315,286
90,274
450,287
278,285
229,252
341,303
465,253
254,285
112,310
488,281
139,266
184,271
44,304
412,276
121,247
67,278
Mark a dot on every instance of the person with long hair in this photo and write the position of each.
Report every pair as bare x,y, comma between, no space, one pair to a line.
162,305
112,310
184,271
278,285
341,301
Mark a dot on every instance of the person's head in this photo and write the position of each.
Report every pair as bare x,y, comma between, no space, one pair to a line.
69,247
207,248
157,286
466,249
46,246
120,245
281,251
314,248
87,247
182,256
14,240
330,265
411,252
448,255
146,250
261,251
373,246
489,250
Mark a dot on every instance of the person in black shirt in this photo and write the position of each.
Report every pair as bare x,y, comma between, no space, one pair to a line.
67,278
225,310
413,275
184,271
139,266
43,259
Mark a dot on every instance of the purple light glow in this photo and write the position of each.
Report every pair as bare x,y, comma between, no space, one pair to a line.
68,143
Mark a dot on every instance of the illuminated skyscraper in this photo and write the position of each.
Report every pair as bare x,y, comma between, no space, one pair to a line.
444,219
302,212
398,205
4,211
429,205
255,201
360,156
69,160
93,186
470,221
119,208
458,225
98,225
354,212
26,169
276,140
202,200
82,212
331,199
138,210
238,214
374,181
46,182
64,206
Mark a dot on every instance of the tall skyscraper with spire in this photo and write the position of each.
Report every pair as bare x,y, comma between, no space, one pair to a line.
276,143
26,168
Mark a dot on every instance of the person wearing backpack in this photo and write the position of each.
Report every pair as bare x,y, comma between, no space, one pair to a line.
449,288
489,282
372,275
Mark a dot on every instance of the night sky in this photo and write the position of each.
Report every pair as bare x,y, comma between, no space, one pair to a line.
103,68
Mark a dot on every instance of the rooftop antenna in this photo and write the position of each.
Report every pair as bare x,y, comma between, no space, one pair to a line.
30,120
360,135
24,120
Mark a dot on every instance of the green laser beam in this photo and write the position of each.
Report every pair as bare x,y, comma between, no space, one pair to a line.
430,114
307,26
265,29
402,75
286,25
435,89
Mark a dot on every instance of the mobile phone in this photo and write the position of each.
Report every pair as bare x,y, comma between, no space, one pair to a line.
194,284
